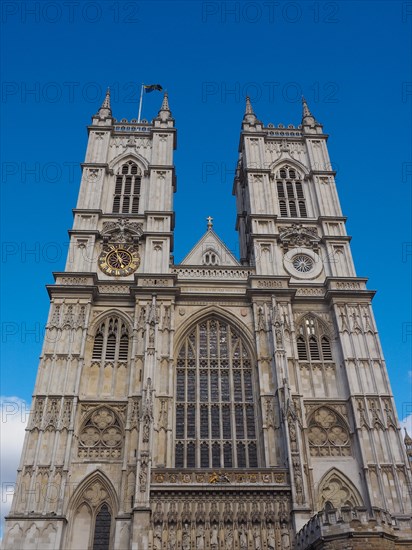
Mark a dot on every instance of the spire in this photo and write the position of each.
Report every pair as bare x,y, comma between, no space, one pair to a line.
165,112
105,110
407,440
306,111
307,117
249,115
106,102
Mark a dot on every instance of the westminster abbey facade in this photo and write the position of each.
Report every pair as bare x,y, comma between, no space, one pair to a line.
221,403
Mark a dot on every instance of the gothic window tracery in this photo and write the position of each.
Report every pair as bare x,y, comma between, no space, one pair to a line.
215,413
313,344
111,342
210,258
101,436
127,189
328,434
91,520
290,193
336,490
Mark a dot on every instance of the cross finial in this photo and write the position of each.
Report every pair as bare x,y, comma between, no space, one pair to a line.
209,222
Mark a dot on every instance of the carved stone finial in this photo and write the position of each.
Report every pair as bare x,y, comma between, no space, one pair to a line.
305,108
307,118
209,223
249,115
105,110
165,112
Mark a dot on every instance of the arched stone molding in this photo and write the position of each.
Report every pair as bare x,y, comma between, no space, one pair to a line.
219,313
228,427
118,161
336,490
113,312
292,163
93,493
327,328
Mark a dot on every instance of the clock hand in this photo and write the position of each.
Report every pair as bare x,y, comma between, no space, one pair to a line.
120,260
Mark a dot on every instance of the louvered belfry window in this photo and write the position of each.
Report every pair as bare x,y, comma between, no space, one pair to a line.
290,194
215,413
111,342
312,342
127,189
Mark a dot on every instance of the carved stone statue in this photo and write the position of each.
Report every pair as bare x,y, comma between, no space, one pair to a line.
271,537
256,538
171,544
214,537
157,538
229,538
200,538
292,435
243,537
285,537
186,537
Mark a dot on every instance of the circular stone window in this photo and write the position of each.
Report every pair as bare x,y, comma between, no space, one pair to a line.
302,263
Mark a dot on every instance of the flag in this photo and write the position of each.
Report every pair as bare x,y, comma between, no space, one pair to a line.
151,87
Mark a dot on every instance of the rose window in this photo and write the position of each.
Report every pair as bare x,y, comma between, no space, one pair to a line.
101,436
302,263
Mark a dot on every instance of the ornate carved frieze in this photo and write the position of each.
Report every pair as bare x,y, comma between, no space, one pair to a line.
155,281
212,273
114,289
122,231
310,291
298,236
239,477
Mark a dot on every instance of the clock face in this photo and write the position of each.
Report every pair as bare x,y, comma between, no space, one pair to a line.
119,260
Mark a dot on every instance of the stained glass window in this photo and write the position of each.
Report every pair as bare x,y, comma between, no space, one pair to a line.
214,400
101,539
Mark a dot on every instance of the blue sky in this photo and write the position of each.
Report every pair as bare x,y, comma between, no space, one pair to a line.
352,61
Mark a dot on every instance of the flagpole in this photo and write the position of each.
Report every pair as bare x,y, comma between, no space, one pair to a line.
140,103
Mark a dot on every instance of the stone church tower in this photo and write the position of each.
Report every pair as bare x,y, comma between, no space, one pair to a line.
217,404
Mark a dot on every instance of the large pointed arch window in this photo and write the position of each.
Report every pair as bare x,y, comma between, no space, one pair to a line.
291,198
215,413
127,189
